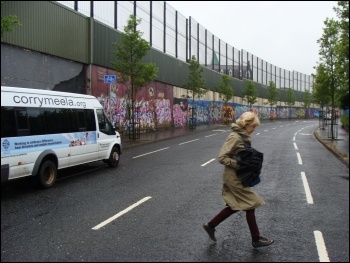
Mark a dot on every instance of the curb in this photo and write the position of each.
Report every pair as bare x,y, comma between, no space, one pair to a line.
331,149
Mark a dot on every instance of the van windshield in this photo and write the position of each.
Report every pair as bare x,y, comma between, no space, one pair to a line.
104,124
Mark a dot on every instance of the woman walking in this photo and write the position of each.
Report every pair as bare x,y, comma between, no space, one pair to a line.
236,196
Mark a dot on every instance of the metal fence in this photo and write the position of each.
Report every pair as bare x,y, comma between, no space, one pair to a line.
172,33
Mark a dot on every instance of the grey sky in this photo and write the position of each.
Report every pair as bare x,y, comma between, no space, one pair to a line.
283,33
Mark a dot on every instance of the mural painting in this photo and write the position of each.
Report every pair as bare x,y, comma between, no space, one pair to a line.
215,111
180,109
152,105
156,107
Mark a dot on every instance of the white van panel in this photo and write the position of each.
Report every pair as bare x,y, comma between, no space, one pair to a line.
20,154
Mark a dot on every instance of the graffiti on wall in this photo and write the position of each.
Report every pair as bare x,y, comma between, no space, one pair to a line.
180,112
156,106
152,105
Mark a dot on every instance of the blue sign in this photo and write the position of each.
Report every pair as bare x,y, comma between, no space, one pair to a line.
110,78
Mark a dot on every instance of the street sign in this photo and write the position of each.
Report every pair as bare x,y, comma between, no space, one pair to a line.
110,78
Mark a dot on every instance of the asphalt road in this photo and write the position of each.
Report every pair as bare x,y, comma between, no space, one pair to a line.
152,207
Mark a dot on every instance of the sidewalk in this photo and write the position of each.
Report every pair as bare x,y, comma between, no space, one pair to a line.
339,146
151,136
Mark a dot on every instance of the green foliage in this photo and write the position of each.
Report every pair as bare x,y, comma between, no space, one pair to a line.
224,89
321,88
8,22
334,58
290,100
307,99
345,120
328,52
342,50
250,94
273,93
134,73
196,82
345,101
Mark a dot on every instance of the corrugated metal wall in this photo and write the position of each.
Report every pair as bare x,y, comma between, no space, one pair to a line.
49,28
54,29
104,36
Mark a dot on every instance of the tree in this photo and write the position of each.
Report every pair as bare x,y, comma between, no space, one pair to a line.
272,98
196,83
328,55
307,101
273,92
342,51
225,90
250,94
321,87
134,73
290,99
8,22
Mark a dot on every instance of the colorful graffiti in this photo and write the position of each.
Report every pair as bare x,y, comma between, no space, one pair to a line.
156,107
180,109
152,107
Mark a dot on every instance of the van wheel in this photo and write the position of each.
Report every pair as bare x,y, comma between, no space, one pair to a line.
47,174
113,160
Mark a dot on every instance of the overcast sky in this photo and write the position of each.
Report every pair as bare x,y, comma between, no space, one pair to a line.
283,33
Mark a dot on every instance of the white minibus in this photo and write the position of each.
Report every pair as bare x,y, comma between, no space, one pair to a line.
43,131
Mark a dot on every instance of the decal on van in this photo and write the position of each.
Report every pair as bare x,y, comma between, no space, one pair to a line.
47,101
27,144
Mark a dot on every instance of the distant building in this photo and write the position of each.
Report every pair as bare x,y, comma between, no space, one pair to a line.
232,70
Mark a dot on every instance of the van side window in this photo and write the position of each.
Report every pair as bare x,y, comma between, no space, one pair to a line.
56,121
90,120
8,122
39,121
36,121
22,122
81,120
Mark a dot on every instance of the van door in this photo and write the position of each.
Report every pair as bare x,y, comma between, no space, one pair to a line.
106,136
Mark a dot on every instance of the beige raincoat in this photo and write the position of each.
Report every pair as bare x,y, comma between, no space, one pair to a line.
234,193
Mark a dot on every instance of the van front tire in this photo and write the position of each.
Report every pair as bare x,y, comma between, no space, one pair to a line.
47,174
113,160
